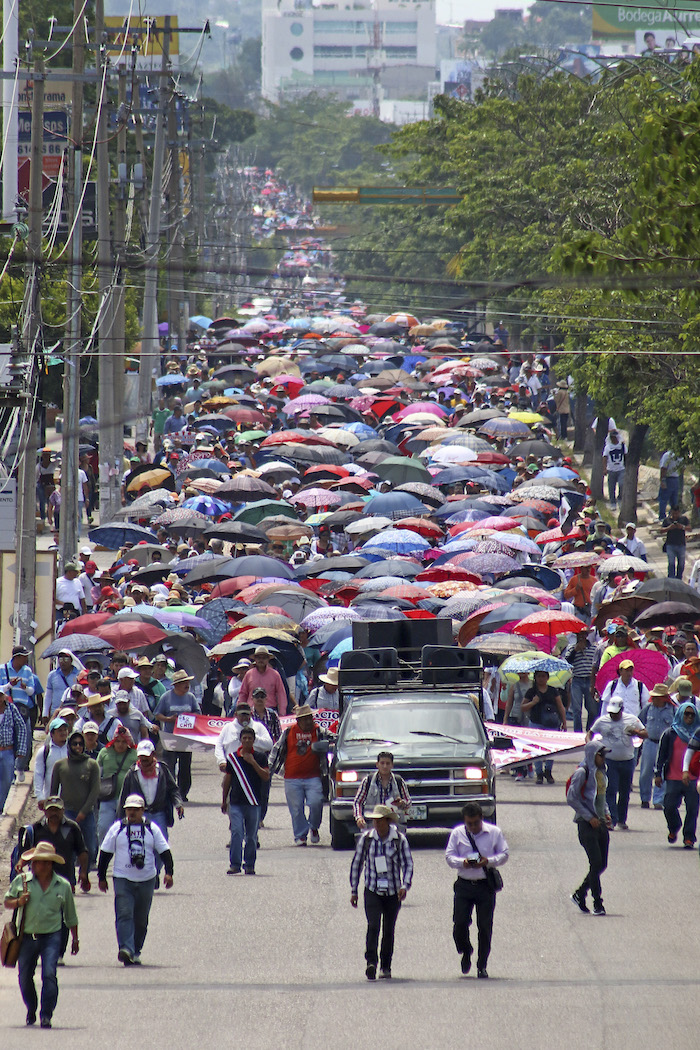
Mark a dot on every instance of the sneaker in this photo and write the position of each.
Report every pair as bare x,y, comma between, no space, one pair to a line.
549,778
598,909
580,901
688,843
520,778
371,972
31,1019
233,871
672,836
482,974
20,777
315,837
299,842
125,956
645,805
385,974
539,779
623,826
657,805
45,1022
136,961
466,962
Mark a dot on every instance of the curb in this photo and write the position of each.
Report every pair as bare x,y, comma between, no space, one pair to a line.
16,803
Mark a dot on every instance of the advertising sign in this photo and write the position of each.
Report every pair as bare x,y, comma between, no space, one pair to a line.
623,20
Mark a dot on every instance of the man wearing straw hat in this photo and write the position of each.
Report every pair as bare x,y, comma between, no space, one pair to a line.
386,857
47,900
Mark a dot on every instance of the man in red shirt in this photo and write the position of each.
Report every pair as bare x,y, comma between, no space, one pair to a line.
578,591
262,676
302,750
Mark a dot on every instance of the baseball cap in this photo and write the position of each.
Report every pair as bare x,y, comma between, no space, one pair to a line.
624,664
145,747
134,801
630,525
127,672
91,727
56,724
54,802
86,551
615,704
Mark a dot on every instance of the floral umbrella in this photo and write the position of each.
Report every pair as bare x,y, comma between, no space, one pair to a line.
303,403
579,559
317,497
559,671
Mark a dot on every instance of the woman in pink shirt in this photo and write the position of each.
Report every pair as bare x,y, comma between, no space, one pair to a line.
261,675
669,766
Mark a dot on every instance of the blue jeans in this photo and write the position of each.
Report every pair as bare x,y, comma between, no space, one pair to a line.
7,773
542,767
307,790
132,903
47,947
244,827
581,694
106,816
89,830
669,494
620,773
616,480
646,774
676,560
677,792
22,762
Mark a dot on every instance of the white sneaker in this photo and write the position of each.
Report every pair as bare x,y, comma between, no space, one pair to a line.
20,777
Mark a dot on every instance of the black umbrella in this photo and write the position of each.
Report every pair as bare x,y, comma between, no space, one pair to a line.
534,447
667,613
245,489
628,605
343,563
151,574
515,582
235,371
235,532
339,413
669,590
387,329
261,566
298,453
288,656
340,518
390,567
222,568
185,651
378,599
298,603
336,363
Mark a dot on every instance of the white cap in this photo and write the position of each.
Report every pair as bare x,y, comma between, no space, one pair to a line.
134,802
127,672
615,704
145,747
85,550
91,727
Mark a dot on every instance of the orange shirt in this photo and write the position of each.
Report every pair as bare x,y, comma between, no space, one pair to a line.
578,590
301,762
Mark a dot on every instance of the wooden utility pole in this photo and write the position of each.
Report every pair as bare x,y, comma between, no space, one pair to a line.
70,508
26,479
176,254
150,350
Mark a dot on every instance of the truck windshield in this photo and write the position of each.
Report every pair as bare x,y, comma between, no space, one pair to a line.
406,723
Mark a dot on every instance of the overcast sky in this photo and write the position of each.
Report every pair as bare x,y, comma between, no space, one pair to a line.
451,12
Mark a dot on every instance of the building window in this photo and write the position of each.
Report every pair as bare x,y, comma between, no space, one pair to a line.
332,51
296,29
410,53
394,28
296,54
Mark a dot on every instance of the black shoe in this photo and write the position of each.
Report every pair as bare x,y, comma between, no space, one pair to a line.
580,901
598,908
549,778
482,974
466,963
539,779
45,1022
125,956
31,1019
233,871
645,805
371,972
385,973
157,885
672,836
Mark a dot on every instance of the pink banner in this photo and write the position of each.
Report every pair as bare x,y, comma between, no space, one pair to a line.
203,730
530,745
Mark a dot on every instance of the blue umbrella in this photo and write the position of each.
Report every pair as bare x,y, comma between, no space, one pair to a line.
171,379
363,430
401,541
558,472
201,321
206,505
394,505
114,536
334,656
87,421
212,464
214,612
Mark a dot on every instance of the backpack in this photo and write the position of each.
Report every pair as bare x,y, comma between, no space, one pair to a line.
25,841
694,767
640,686
568,784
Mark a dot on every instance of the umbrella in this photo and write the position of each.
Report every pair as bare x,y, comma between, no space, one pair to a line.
487,564
83,624
364,525
171,379
399,470
394,505
206,505
182,521
114,536
665,614
401,541
77,643
200,321
420,525
538,492
650,667
130,634
185,651
668,590
256,511
534,447
245,488
298,603
350,563
235,532
214,612
331,634
628,606
559,671
549,624
424,492
332,614
150,477
505,427
260,566
293,531
317,497
499,644
577,560
624,563
390,567
220,568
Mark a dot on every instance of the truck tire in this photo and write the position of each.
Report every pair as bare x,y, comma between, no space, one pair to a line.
341,835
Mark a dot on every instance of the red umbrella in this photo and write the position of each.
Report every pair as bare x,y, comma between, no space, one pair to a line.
420,525
491,459
549,624
650,667
87,624
130,634
406,590
441,574
325,471
240,414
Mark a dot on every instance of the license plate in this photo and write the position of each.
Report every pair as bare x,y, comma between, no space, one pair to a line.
417,813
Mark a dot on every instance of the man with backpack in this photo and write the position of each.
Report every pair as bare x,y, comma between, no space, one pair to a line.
633,693
54,748
585,793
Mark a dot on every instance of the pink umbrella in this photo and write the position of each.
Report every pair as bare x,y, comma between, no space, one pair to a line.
650,667
542,596
422,406
317,497
303,403
500,524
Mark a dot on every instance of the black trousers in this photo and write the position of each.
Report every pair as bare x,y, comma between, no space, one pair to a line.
596,842
382,911
182,762
469,895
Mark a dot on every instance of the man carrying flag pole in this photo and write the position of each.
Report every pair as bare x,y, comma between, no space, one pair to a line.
246,771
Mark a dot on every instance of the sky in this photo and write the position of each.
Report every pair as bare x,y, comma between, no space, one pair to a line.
452,12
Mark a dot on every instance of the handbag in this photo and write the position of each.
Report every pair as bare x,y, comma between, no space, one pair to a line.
494,879
12,936
108,785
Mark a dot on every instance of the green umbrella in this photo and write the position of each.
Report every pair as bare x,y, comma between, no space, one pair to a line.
259,509
250,435
400,469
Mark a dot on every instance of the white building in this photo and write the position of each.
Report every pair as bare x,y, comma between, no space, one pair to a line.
361,49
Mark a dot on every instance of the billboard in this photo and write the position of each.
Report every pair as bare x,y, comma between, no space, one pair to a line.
144,31
456,78
55,138
623,20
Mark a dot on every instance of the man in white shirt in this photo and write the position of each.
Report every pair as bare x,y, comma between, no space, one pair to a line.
474,849
69,591
230,735
126,683
614,454
616,729
134,843
633,693
634,546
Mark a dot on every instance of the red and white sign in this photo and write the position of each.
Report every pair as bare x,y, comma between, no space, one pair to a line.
533,745
200,731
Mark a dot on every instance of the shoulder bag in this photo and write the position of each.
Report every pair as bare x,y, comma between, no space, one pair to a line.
108,785
12,936
494,879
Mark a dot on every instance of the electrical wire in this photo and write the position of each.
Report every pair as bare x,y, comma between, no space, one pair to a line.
49,58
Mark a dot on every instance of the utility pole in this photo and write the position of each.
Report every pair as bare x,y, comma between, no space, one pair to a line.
70,523
10,29
118,339
107,421
176,256
150,349
26,478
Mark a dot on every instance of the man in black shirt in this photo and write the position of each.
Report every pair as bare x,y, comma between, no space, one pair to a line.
246,772
674,529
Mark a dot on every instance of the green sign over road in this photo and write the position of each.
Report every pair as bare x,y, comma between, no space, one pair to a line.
619,20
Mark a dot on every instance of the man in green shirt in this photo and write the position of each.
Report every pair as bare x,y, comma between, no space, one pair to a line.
160,415
48,902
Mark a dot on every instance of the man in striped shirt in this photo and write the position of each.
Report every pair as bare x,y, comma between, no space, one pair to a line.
386,856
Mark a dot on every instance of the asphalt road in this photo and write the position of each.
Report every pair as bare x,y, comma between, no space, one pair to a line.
277,960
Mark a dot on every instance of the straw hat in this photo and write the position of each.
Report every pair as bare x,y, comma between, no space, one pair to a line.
43,851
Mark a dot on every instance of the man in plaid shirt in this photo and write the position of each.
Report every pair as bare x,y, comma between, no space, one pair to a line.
386,856
14,741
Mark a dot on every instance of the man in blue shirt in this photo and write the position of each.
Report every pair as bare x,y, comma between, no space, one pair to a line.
19,677
177,701
61,678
